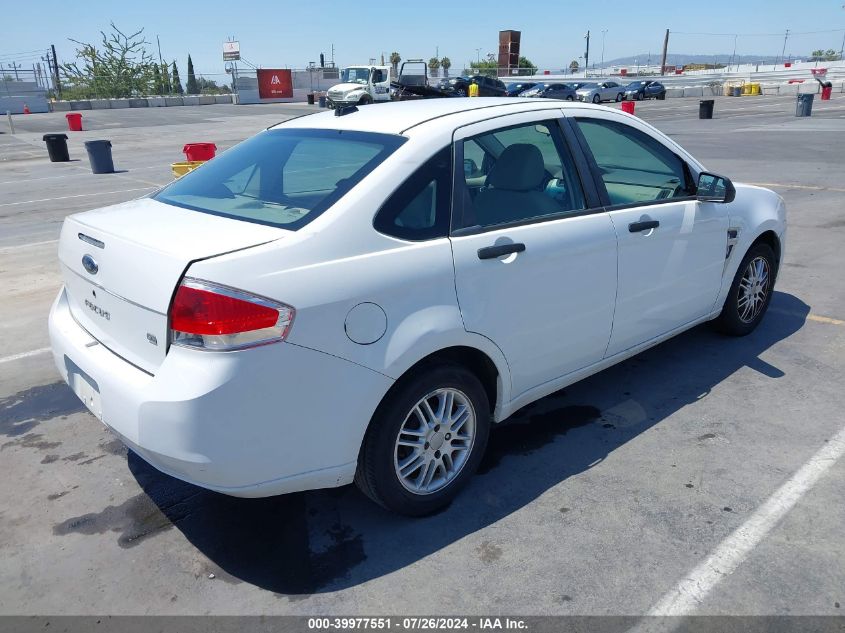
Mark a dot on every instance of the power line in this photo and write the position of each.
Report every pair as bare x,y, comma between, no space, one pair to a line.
759,34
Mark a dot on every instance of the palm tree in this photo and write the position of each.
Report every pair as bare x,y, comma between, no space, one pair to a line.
433,65
394,61
445,64
573,66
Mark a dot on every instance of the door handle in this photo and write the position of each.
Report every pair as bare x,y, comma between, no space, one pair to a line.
643,225
492,252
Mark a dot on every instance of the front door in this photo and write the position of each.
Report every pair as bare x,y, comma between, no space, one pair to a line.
671,247
535,269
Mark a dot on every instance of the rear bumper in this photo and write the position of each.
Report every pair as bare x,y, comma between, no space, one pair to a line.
257,422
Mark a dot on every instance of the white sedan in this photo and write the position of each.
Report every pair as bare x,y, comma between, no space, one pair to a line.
360,296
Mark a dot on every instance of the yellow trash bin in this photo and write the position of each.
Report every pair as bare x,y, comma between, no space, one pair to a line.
755,89
180,169
746,90
473,90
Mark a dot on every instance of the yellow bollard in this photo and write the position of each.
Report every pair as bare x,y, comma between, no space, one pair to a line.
473,90
180,169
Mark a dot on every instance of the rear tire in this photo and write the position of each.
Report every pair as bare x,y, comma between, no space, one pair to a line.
570,98
416,466
750,293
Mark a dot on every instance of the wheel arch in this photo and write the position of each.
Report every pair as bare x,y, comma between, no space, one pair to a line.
770,238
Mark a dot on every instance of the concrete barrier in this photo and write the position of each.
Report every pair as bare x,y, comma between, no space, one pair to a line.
119,103
672,93
100,104
60,106
156,102
222,98
190,100
770,90
80,105
138,103
206,100
173,101
695,91
788,89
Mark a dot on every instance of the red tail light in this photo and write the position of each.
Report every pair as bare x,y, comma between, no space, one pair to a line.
214,317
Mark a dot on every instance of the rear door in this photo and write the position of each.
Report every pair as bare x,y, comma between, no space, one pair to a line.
671,247
535,258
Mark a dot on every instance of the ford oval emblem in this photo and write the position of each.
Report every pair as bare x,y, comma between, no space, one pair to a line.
89,264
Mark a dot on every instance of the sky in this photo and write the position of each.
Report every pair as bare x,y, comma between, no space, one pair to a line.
284,34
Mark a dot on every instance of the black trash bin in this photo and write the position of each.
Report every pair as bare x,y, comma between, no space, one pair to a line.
705,109
804,106
57,147
99,155
310,96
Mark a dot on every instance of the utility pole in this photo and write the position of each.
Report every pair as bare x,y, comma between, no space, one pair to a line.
160,60
478,55
56,80
783,52
665,52
734,53
603,33
587,55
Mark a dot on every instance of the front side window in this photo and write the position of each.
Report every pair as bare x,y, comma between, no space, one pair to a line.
515,174
634,167
282,177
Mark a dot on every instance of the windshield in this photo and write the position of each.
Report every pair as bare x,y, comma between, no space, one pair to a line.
636,84
284,177
588,86
355,75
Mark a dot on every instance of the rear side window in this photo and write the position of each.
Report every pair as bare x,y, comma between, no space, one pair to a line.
419,209
284,177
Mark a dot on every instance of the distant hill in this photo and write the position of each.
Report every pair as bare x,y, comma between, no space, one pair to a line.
676,59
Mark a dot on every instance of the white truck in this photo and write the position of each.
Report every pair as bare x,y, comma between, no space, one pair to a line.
360,85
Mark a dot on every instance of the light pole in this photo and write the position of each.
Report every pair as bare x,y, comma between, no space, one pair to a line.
478,55
603,33
587,56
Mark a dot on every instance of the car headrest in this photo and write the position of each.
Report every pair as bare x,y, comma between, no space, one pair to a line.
519,168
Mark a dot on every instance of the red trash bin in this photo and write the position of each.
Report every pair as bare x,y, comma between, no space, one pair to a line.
74,121
826,92
628,106
199,151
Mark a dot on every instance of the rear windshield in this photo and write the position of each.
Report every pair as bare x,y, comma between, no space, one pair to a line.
284,177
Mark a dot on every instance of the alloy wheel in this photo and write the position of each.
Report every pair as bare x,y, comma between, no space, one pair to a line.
753,289
435,441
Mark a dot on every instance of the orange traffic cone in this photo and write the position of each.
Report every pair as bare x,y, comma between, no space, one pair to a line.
26,109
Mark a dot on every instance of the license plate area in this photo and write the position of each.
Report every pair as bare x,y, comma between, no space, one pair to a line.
85,388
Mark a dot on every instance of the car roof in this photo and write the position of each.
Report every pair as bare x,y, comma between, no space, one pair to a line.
397,117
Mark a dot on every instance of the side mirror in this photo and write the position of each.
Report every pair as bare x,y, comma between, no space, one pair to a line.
470,167
715,188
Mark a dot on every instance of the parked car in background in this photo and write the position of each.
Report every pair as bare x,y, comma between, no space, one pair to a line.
249,328
515,89
598,92
551,91
647,89
487,86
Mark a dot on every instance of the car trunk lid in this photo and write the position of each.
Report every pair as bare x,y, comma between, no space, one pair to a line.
121,266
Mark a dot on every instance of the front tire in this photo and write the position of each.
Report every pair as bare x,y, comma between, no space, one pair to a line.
619,96
425,441
750,293
596,99
365,100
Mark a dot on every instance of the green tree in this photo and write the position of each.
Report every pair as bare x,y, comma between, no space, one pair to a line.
433,65
176,83
445,64
831,55
165,79
395,58
574,66
119,66
191,87
158,87
526,66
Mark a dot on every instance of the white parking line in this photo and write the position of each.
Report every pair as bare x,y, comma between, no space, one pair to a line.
690,592
13,357
80,195
4,249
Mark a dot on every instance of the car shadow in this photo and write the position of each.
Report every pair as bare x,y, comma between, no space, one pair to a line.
331,539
